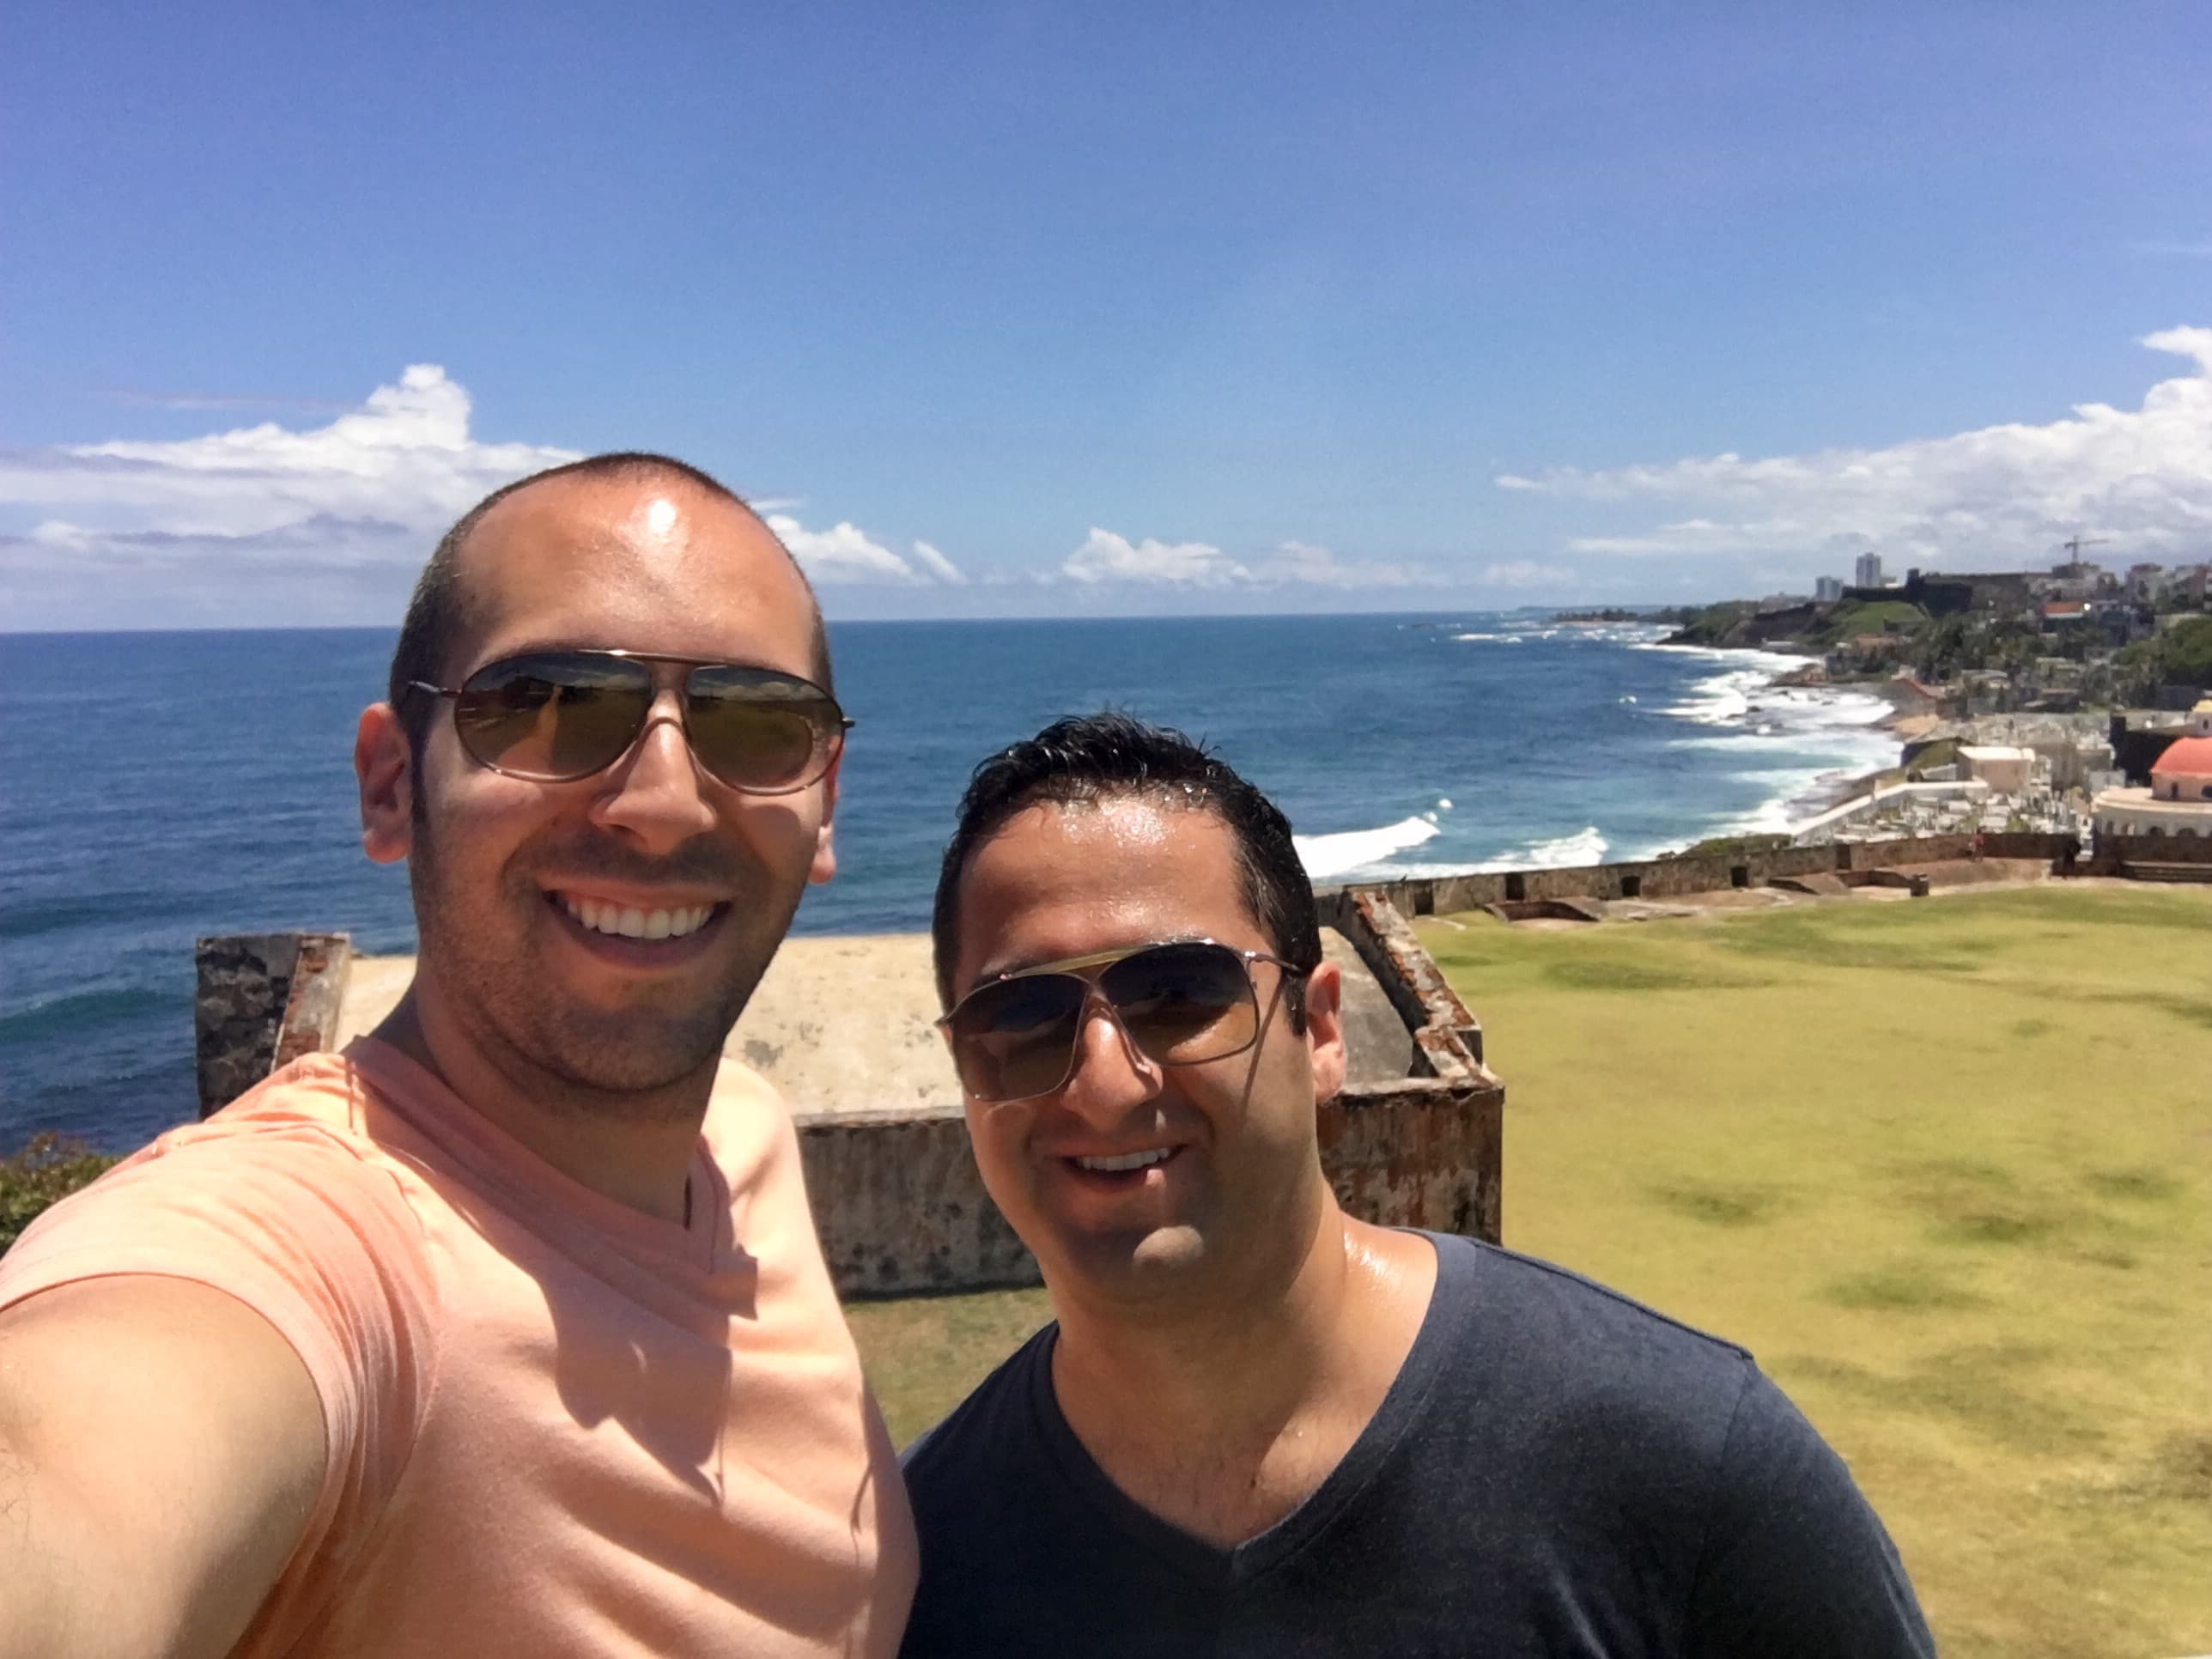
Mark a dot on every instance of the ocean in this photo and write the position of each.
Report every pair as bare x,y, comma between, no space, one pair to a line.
156,787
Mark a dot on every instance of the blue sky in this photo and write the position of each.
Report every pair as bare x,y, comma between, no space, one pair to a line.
1138,309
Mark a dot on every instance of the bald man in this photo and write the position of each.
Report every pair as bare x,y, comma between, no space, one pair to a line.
487,1336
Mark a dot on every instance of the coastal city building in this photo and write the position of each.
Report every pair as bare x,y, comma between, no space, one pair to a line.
1867,572
2007,769
1826,590
2179,799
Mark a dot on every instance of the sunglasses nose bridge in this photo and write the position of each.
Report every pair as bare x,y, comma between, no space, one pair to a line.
1090,1072
656,788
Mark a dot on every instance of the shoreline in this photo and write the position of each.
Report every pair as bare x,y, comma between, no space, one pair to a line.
1792,673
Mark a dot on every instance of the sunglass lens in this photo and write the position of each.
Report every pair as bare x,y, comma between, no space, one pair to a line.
759,731
1183,1003
553,716
1015,1039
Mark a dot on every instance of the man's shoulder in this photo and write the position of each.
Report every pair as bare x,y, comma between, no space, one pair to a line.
294,1159
318,1120
1506,1285
1531,1341
991,1426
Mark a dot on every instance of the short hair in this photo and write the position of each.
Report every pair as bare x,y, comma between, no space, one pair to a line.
438,610
1088,758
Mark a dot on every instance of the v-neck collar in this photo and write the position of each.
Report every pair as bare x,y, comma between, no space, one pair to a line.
1450,1308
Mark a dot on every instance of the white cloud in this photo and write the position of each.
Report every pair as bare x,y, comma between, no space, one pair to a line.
845,555
841,554
1305,563
1525,573
405,457
938,565
261,523
271,523
2002,495
1108,557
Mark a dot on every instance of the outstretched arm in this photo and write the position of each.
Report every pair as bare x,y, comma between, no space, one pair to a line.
162,1450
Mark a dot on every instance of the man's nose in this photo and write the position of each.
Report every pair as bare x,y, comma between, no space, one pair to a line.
1110,1074
655,791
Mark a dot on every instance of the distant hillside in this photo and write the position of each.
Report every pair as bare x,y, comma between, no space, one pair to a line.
1813,627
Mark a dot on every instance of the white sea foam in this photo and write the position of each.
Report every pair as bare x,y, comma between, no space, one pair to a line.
1586,846
1825,734
1346,850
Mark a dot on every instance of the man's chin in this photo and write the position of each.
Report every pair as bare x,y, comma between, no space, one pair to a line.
631,1056
1138,1264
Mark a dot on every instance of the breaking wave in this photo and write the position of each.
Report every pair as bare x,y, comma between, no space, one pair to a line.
1586,846
1346,850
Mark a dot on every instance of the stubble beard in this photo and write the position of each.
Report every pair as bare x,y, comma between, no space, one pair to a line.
628,1062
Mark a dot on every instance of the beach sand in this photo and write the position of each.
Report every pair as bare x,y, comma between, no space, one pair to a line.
848,1024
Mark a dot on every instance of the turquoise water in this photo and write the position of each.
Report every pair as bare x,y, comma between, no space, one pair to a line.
154,787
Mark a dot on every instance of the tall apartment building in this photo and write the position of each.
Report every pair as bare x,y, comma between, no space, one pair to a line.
1827,588
1867,572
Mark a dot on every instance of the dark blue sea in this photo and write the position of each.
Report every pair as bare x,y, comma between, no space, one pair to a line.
154,787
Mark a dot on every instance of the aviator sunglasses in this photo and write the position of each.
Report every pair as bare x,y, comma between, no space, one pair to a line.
1017,1036
555,716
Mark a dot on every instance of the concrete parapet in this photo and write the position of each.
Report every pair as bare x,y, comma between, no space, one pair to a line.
1443,1029
901,1207
261,1000
2152,858
2155,849
1654,879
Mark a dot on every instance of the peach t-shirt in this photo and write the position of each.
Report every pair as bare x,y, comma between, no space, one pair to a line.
556,1425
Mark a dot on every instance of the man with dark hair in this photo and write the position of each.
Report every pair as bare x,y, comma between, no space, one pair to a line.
505,1332
1259,1426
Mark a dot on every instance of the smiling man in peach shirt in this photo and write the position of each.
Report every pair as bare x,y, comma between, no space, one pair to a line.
488,1336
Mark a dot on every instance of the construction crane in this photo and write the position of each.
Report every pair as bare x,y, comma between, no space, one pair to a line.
2075,543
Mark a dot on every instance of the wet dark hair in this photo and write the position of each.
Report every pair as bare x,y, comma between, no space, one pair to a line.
1096,757
438,610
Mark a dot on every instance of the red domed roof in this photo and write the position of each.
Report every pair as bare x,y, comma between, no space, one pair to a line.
2186,757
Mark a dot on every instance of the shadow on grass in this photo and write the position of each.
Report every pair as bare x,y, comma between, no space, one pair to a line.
1603,973
1720,1205
1905,1286
2189,1009
2178,1470
2153,1186
1969,1203
1986,1387
1823,942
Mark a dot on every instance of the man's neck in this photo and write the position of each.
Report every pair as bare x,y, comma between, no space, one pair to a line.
1221,1414
637,1151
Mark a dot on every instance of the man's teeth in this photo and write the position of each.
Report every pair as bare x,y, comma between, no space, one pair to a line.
629,923
1127,1161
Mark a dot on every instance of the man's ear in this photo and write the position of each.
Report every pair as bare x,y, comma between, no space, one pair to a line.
383,766
1325,1029
825,848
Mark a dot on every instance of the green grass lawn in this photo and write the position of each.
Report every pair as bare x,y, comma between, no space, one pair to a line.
1944,1166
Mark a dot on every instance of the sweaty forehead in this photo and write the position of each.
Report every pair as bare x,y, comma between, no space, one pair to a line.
644,562
1058,880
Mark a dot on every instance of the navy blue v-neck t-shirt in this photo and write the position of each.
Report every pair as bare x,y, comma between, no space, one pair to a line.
1556,1471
